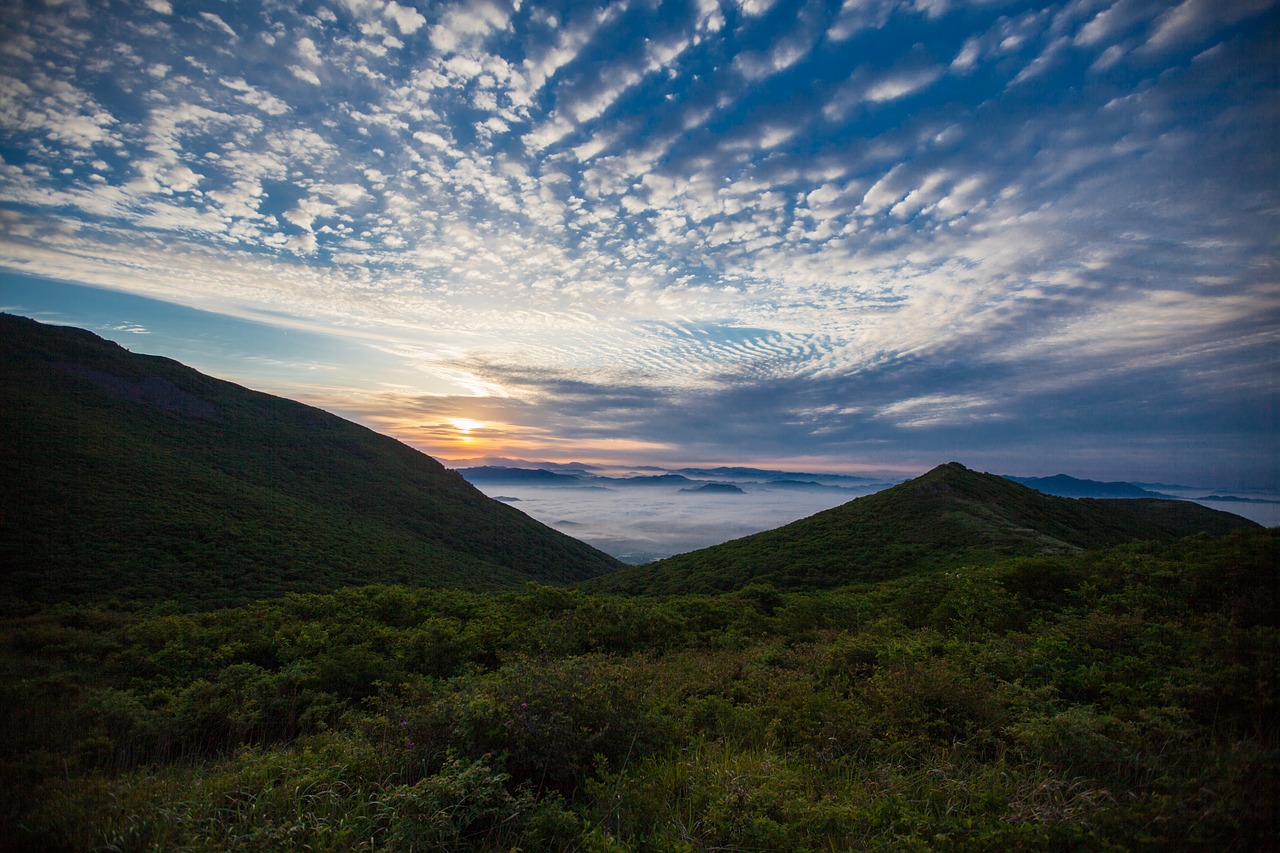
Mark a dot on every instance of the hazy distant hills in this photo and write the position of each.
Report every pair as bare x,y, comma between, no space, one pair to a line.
715,489
519,472
947,515
501,475
492,471
135,476
1071,487
766,476
1065,486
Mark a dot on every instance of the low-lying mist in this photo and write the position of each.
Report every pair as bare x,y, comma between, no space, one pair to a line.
638,524
641,523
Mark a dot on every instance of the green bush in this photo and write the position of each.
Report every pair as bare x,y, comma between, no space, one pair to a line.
1101,701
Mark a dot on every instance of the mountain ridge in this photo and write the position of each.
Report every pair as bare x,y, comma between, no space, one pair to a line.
135,475
1066,486
944,516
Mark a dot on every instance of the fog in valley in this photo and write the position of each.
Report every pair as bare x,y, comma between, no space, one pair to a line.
1260,506
638,524
641,523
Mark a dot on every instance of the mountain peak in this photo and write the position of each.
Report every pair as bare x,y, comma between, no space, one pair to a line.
947,473
946,516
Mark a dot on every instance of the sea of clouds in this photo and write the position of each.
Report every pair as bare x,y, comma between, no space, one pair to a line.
638,524
641,523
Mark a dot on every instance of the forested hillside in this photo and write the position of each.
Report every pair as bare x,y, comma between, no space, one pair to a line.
1124,699
134,477
947,515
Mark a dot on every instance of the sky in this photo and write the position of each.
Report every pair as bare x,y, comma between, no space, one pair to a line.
874,235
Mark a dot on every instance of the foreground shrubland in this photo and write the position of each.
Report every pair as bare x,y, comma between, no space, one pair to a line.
1123,699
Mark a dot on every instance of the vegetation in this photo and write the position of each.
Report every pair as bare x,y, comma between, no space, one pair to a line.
1117,699
231,622
950,515
133,477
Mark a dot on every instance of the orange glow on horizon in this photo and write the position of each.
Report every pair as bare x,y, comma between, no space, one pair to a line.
462,437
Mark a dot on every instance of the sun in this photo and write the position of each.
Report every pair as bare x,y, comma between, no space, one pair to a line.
465,424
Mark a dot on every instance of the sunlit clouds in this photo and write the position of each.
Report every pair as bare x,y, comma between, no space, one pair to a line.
876,230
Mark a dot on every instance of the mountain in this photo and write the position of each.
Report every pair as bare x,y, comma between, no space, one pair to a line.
804,485
579,469
1236,499
714,489
1064,486
495,475
949,515
765,474
136,477
653,480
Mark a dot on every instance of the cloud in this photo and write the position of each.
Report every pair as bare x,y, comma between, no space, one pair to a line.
572,37
1109,58
467,23
723,241
754,8
855,16
1112,22
1193,21
408,19
783,53
1042,63
940,410
308,51
305,74
220,24
709,15
900,85
867,89
265,101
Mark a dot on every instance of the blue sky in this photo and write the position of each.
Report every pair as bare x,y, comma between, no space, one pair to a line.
869,235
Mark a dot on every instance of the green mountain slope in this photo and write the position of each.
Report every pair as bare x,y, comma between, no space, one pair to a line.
134,476
946,515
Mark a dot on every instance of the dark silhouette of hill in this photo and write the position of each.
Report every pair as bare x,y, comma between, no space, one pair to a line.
1235,499
654,480
714,489
764,474
136,477
947,515
1072,487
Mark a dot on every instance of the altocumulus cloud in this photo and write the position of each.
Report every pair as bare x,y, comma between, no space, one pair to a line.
861,231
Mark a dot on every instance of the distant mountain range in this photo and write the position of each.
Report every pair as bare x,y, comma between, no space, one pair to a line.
524,472
764,475
501,475
715,489
1070,487
1235,499
521,472
736,473
137,477
946,517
